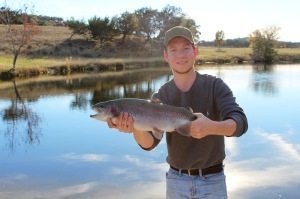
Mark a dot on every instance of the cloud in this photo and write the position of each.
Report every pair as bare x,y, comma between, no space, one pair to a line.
85,157
281,170
283,146
146,164
231,146
72,190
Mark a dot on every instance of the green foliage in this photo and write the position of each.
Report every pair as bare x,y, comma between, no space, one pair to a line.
101,29
171,16
127,24
77,27
263,43
148,22
8,16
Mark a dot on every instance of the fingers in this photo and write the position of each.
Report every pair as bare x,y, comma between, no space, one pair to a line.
123,123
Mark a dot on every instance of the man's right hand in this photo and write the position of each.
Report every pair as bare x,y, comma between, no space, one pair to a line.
124,123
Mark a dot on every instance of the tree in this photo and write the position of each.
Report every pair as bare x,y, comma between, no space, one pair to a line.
127,24
263,43
219,40
101,29
19,36
77,27
171,16
168,18
148,22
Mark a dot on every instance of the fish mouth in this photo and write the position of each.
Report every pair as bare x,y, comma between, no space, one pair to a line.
94,115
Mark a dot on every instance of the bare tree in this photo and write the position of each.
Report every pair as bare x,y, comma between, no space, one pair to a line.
20,36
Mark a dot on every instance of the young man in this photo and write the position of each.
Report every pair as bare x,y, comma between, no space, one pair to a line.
196,162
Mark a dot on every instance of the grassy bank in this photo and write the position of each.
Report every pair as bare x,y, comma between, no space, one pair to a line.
206,56
52,51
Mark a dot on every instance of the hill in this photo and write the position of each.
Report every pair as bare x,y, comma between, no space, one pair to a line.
54,41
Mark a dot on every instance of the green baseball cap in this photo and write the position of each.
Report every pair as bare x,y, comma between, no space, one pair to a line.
178,31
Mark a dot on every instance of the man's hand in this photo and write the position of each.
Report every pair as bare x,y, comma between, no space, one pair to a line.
204,126
124,123
201,127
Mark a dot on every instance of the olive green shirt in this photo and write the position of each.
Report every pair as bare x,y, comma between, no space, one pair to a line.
212,97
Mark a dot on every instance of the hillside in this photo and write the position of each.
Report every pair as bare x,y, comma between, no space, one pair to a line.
53,41
52,52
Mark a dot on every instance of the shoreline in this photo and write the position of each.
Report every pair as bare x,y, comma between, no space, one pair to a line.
69,65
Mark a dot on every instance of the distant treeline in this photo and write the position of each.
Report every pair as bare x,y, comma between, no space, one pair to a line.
144,22
15,17
244,43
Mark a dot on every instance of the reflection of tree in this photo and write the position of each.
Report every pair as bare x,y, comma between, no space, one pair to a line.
130,86
19,111
263,79
80,101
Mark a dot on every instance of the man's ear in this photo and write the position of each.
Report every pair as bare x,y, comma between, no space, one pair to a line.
166,55
195,51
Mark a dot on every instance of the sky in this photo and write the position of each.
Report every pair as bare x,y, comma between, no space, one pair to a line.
237,18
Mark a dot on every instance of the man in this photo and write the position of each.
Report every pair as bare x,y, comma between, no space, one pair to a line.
196,162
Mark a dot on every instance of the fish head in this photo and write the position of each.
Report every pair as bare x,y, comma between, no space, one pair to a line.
104,110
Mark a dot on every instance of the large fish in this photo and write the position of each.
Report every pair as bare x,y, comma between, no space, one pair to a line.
147,115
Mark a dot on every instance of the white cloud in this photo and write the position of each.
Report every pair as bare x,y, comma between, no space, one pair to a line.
68,191
85,157
287,149
281,170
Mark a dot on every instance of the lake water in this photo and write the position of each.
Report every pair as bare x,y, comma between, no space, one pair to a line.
51,148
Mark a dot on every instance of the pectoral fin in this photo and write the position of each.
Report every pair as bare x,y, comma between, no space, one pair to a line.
157,133
184,130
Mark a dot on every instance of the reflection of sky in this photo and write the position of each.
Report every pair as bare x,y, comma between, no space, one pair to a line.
79,157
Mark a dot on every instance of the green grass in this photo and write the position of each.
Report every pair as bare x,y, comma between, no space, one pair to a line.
26,63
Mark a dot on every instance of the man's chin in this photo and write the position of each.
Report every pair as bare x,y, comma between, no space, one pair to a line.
181,72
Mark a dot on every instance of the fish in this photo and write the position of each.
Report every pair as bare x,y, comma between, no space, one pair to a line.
148,115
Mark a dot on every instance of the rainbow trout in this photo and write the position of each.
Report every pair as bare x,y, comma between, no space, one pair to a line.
147,115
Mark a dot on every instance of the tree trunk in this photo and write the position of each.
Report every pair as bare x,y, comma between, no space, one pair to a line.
16,54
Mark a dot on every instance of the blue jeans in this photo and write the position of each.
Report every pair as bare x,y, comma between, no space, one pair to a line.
183,186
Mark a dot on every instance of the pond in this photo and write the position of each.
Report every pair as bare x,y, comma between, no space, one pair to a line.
51,148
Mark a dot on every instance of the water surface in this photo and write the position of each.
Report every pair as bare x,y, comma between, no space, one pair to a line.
50,148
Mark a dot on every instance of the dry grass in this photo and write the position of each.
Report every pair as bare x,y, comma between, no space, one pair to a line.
209,53
51,47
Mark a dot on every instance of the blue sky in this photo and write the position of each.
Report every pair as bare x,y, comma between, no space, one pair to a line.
237,18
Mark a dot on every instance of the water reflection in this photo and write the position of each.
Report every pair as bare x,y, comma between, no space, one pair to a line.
17,113
78,157
86,90
263,79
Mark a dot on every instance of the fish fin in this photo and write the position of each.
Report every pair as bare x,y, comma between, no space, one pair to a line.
155,100
184,129
157,133
114,120
190,109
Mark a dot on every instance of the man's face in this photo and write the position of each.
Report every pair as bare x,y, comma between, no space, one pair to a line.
181,55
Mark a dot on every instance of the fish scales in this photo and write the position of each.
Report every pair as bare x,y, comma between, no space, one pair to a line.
148,116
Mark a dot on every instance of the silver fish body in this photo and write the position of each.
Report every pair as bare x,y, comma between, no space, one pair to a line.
148,116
